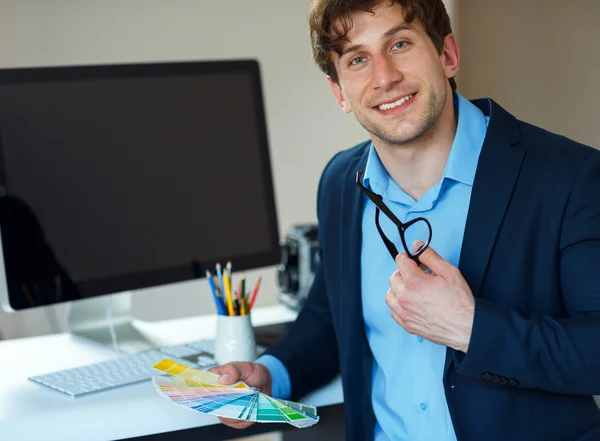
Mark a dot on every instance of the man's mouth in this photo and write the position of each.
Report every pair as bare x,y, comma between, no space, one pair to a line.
393,104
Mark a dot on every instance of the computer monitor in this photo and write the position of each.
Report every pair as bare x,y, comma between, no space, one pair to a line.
120,177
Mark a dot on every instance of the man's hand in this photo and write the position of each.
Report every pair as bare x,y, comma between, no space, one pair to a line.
438,306
255,375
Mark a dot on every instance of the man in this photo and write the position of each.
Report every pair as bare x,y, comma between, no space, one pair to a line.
497,339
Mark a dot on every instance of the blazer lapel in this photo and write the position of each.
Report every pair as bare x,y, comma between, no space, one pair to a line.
350,242
497,173
361,358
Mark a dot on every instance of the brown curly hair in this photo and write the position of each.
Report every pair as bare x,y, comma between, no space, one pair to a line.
330,21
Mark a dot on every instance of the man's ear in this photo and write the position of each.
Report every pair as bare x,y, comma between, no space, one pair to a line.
338,94
450,56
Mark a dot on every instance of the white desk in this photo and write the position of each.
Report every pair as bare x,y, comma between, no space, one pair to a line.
29,411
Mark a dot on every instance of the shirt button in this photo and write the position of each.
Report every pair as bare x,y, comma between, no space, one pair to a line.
423,406
420,339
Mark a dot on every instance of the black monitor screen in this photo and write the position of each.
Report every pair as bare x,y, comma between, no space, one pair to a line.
123,177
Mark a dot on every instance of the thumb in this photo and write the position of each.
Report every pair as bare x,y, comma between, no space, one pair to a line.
430,259
232,372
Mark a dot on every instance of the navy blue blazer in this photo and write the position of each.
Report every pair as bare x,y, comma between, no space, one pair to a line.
531,255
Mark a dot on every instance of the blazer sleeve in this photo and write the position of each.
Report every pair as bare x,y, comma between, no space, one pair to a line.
560,355
309,352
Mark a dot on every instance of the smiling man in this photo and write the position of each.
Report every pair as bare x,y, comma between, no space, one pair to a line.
457,291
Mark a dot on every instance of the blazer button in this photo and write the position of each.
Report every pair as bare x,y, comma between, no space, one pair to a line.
487,376
496,379
512,382
503,381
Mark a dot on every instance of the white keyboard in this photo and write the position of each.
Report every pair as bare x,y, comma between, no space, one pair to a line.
127,369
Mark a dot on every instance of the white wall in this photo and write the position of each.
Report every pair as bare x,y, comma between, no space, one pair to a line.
304,124
537,58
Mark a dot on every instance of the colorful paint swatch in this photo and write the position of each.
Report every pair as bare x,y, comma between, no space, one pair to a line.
200,391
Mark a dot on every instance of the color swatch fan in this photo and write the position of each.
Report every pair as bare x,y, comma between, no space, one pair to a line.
200,391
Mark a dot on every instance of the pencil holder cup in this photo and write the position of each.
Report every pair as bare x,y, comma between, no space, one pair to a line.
235,339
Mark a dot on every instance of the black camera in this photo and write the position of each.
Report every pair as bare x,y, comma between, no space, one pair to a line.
299,261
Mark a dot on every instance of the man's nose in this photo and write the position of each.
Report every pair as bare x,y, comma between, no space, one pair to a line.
385,72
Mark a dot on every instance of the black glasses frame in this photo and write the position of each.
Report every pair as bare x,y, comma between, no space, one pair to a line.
402,227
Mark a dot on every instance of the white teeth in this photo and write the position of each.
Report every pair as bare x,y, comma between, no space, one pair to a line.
395,103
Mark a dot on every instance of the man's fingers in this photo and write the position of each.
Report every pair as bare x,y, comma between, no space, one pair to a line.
431,260
401,322
407,267
227,373
236,424
391,300
396,282
416,247
233,372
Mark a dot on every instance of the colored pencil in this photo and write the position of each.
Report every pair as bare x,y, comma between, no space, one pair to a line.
220,295
214,292
255,293
243,297
243,310
238,293
228,294
220,278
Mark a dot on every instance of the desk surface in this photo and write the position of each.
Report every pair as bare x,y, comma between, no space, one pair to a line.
31,411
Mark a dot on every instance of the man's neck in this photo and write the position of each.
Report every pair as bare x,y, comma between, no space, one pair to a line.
418,166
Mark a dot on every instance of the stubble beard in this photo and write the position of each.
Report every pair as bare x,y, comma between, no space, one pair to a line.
433,110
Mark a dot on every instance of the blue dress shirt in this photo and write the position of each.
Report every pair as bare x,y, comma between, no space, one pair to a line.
407,394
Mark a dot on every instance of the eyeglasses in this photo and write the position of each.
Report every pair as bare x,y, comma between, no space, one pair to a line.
402,227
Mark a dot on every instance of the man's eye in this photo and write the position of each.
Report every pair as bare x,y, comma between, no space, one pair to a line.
400,45
357,60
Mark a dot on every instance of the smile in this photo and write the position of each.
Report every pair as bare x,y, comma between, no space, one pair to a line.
397,103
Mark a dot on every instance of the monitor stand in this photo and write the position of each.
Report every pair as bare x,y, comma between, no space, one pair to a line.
108,320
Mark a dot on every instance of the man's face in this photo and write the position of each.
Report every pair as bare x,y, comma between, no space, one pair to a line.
392,77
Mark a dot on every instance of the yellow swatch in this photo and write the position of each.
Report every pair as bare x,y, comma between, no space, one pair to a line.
177,369
164,365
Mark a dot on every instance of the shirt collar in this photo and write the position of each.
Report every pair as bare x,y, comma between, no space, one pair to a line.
376,176
468,141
